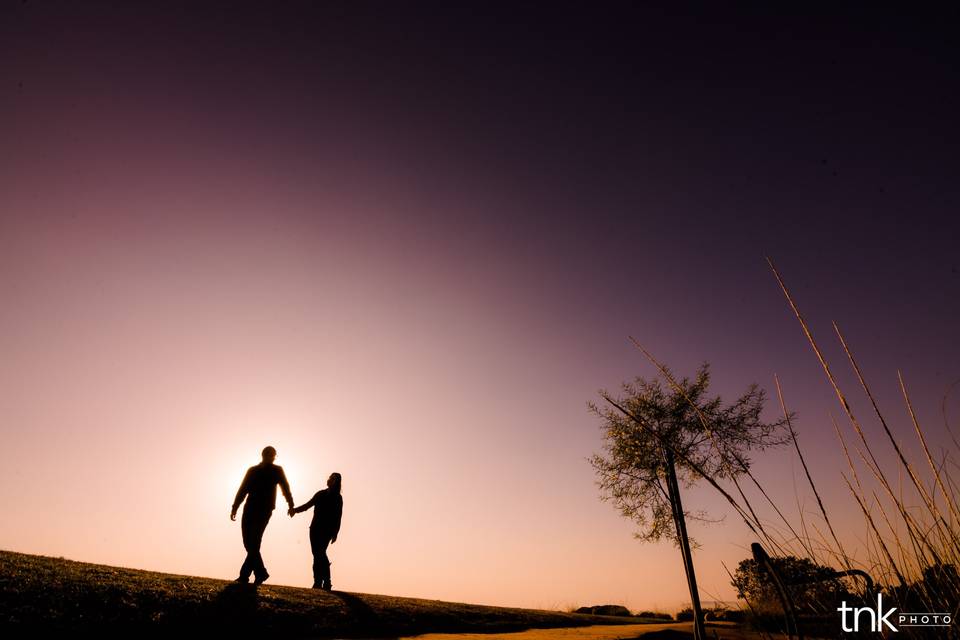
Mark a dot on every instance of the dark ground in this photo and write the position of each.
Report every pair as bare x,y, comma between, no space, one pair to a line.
38,593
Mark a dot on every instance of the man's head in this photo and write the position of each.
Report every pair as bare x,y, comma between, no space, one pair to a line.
269,454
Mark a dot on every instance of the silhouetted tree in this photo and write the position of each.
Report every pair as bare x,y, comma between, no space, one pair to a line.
703,435
655,435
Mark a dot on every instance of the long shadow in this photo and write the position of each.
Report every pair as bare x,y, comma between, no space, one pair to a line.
366,621
235,607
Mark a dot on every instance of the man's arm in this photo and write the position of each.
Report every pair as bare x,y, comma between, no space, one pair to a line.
241,494
285,487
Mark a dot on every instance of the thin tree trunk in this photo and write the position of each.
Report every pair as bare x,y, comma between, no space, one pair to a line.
676,505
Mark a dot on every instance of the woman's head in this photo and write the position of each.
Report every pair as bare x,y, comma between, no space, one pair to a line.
333,482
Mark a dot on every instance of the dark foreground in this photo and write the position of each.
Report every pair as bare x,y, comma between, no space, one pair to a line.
39,593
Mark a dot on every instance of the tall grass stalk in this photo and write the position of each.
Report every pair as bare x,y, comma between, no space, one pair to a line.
913,554
919,524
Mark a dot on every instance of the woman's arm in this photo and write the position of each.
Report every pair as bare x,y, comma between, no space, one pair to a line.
306,505
338,515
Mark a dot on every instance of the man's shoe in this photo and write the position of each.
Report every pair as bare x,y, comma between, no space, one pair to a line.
327,586
242,580
261,579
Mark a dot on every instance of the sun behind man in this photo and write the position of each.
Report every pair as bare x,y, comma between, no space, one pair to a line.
259,487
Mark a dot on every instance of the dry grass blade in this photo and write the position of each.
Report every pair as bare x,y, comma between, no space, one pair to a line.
926,450
876,533
806,470
903,459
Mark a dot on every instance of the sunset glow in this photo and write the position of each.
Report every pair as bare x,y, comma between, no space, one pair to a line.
415,268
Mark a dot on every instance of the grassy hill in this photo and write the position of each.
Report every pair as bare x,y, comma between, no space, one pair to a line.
40,593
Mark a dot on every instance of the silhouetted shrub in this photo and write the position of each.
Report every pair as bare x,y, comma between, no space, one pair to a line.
657,615
812,587
611,610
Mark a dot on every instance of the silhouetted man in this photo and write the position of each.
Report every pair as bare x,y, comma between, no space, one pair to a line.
259,487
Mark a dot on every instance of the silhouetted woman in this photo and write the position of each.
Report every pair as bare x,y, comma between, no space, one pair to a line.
327,510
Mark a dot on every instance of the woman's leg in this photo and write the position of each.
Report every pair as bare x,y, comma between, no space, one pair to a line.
316,546
321,564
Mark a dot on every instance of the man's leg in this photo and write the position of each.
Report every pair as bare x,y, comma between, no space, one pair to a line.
254,524
245,570
246,529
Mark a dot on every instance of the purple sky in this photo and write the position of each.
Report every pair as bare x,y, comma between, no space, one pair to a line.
410,244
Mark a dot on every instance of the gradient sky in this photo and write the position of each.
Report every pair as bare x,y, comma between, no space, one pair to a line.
409,245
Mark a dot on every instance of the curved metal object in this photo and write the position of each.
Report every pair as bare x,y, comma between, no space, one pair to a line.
762,558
